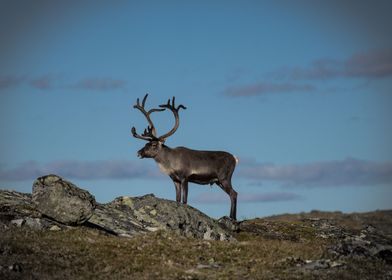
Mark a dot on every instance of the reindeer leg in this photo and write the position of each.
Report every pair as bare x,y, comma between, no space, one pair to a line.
228,188
178,190
184,189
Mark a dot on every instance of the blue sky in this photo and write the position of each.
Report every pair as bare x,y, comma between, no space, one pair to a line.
299,92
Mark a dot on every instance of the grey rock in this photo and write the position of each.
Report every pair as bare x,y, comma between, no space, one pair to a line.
13,198
132,215
228,223
311,265
316,264
56,202
14,208
115,220
326,229
62,201
17,204
366,244
17,222
34,223
204,266
55,228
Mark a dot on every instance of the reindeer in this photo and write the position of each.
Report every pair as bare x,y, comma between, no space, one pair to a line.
184,165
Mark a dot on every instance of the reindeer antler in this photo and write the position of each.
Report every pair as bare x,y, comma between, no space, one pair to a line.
149,133
171,107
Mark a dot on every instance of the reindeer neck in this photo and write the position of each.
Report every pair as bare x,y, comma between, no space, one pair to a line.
162,155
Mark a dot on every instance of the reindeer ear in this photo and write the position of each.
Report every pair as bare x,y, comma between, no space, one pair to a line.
162,141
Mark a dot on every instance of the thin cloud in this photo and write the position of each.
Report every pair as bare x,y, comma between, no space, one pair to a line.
370,64
10,81
84,170
45,82
347,172
99,84
373,64
266,88
216,198
54,82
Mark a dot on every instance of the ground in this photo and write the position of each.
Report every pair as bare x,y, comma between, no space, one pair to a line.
301,246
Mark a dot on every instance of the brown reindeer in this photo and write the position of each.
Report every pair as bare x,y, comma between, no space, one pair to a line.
184,165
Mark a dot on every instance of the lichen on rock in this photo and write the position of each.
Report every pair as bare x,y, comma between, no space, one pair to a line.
132,215
62,201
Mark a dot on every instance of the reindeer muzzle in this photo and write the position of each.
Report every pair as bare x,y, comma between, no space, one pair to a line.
140,154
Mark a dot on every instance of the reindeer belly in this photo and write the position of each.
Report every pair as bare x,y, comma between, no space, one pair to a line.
194,174
203,179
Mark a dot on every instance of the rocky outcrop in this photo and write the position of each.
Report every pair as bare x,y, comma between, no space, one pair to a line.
17,209
129,215
366,243
62,201
57,203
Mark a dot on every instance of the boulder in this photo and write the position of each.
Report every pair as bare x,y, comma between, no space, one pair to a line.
17,209
62,201
115,220
131,215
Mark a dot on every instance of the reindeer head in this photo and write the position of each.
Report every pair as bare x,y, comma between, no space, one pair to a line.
155,143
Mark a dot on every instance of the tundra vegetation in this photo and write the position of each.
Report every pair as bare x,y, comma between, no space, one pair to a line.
315,245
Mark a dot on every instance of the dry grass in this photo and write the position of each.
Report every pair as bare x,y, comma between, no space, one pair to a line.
83,253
